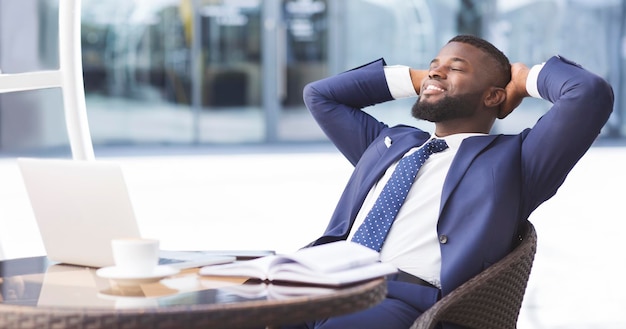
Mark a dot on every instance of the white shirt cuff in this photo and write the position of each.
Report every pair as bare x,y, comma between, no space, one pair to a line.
531,81
399,81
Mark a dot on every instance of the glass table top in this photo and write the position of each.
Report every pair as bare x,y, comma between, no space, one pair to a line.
39,282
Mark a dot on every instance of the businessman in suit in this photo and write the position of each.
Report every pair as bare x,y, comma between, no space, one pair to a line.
469,201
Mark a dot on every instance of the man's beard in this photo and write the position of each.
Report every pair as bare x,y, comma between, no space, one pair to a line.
448,108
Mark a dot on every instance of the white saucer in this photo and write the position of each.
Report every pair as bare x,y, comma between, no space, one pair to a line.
124,279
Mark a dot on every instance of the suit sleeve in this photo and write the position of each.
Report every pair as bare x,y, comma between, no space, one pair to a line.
336,103
582,104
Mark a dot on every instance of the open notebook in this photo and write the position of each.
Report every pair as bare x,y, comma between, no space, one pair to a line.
80,206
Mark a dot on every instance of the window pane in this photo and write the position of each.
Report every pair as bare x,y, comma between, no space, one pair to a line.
231,72
139,71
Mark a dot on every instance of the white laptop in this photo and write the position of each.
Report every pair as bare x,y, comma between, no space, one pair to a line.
80,206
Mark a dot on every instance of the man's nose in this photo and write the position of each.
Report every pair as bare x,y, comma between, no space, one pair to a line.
436,73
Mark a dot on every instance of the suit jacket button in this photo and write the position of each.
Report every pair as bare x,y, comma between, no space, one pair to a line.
443,238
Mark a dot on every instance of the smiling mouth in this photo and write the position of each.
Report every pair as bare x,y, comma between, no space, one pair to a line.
431,87
432,90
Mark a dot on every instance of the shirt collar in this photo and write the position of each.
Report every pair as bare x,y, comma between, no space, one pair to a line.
454,141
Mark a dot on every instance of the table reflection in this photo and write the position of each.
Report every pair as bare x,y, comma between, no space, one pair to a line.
69,286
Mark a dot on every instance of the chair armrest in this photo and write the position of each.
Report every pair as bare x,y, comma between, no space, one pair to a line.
493,298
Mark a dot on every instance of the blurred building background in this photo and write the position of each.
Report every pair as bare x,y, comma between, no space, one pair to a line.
230,72
185,77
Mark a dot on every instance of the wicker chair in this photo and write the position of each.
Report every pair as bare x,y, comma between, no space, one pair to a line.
493,298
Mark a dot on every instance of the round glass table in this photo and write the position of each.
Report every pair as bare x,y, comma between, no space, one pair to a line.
35,293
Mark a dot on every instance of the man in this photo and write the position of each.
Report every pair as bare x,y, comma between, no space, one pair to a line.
470,199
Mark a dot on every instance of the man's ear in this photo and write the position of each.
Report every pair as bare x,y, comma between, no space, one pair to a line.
495,97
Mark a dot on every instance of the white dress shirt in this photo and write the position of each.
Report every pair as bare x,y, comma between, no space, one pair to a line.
412,244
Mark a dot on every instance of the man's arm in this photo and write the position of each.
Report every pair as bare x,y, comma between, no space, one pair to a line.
582,103
336,104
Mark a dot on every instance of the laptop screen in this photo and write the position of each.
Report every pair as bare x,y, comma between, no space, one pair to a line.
79,207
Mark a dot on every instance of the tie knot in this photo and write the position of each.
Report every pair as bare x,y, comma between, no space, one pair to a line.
436,145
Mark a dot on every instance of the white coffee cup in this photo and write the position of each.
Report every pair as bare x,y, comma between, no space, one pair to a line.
135,256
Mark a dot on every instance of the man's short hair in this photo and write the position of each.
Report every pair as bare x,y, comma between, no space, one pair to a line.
504,66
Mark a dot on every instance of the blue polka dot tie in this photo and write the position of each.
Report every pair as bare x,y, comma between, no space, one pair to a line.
373,231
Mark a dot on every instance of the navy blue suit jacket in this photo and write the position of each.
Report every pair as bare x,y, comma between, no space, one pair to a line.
494,182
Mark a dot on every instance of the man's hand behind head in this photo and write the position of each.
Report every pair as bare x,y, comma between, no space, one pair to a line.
515,90
417,76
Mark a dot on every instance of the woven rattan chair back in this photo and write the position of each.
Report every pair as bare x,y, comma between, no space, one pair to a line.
493,298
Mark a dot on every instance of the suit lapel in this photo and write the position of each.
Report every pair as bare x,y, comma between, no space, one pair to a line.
397,149
468,151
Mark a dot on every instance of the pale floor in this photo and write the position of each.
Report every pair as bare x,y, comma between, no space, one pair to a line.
282,200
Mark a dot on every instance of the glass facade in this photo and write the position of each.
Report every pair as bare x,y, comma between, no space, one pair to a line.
187,72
